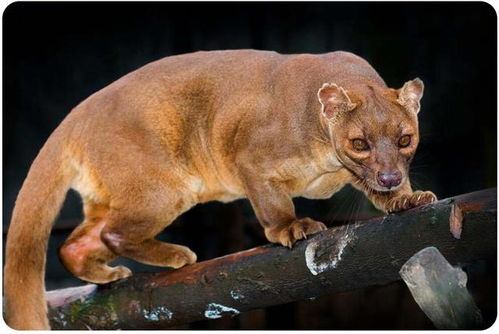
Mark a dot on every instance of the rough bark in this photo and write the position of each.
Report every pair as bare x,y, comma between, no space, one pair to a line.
344,258
440,291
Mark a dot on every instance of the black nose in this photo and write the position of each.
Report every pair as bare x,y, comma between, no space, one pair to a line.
389,179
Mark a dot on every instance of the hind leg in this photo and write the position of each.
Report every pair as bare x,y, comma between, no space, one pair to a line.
85,255
146,191
130,231
134,220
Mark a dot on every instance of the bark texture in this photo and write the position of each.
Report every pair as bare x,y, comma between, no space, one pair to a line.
344,258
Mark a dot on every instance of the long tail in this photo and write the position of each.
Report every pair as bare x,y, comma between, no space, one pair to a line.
37,206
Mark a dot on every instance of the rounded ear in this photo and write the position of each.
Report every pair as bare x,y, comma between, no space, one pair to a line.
410,95
334,100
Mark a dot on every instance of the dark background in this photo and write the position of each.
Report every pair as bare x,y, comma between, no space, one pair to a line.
57,54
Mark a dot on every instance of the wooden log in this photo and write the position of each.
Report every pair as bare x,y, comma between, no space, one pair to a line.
440,291
344,258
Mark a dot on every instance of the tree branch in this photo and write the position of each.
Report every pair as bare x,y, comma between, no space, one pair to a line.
440,291
343,258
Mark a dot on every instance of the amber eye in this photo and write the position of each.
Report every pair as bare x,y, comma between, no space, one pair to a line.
360,145
404,141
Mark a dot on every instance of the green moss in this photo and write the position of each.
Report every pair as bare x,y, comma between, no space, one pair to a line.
96,307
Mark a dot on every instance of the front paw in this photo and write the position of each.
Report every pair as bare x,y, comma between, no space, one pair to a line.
298,229
406,202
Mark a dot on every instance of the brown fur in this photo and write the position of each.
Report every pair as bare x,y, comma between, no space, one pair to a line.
201,127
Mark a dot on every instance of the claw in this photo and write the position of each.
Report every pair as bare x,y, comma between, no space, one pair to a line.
304,235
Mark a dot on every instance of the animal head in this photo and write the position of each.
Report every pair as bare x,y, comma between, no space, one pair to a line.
374,130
